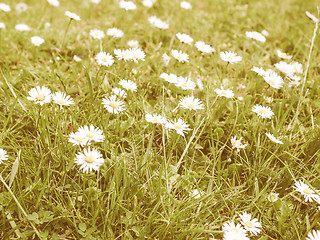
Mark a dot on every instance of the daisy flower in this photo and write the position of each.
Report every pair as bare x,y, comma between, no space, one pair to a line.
191,103
185,83
97,34
230,57
122,54
184,38
37,41
61,99
78,138
166,59
179,125
314,235
155,118
2,25
127,5
263,112
235,236
195,193
230,229
228,93
113,105
256,36
156,22
236,143
273,79
260,71
273,197
3,155
203,47
268,99
199,82
180,56
72,16
283,55
54,3
136,54
40,95
290,69
119,92
273,138
90,159
91,133
104,59
21,7
307,192
4,7
22,27
128,85
96,1
251,225
115,32
148,3
133,43
265,33
185,5
76,58
171,78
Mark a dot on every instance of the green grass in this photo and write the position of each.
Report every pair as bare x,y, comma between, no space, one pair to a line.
142,189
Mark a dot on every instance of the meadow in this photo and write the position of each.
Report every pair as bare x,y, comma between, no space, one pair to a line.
159,119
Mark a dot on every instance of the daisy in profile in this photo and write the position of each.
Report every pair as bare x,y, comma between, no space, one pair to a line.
115,32
78,138
179,125
156,22
127,5
171,78
133,43
273,138
3,155
273,197
40,95
228,93
185,5
184,38
260,71
236,143
268,100
90,159
263,112
314,235
4,7
119,92
309,194
76,58
113,105
91,133
191,103
155,118
256,36
104,59
72,16
203,47
283,55
230,57
128,85
97,34
185,83
251,225
273,79
37,41
62,99
180,56
21,27
166,59
2,25
54,3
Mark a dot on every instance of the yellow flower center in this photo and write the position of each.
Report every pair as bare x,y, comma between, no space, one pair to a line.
307,191
89,159
61,101
114,105
235,230
177,125
229,58
184,84
90,134
40,97
224,92
0,156
104,59
263,111
272,82
272,198
156,119
79,139
191,105
249,224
